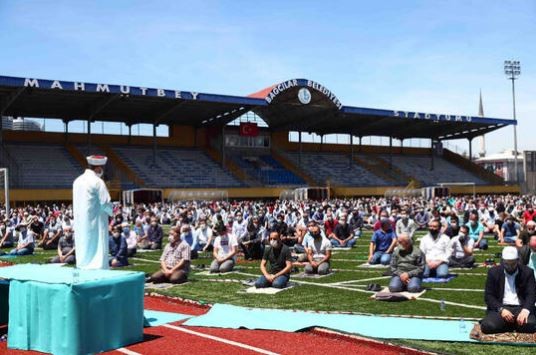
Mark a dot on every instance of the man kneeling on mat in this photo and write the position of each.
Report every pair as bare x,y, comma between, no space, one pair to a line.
318,249
278,254
510,295
407,266
174,262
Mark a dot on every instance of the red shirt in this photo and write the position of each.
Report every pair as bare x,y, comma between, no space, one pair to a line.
527,216
330,226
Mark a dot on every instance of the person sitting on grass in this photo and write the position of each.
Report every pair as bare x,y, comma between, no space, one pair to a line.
510,231
382,244
279,257
66,249
174,262
405,225
51,235
225,249
510,295
527,254
343,235
318,249
118,248
476,231
461,248
435,247
407,266
524,236
6,233
26,243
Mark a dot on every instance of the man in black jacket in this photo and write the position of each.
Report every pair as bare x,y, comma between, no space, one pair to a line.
527,253
510,295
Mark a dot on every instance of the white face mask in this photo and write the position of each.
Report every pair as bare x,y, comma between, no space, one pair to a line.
274,243
99,174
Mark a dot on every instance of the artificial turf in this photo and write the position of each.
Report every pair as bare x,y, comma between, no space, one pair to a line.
317,295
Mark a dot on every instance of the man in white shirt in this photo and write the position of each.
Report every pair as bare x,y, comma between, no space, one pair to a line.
26,244
240,227
318,249
405,225
510,296
461,247
225,249
435,247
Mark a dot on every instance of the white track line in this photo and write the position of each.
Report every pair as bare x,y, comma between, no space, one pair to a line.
146,260
221,340
361,280
451,303
456,289
128,352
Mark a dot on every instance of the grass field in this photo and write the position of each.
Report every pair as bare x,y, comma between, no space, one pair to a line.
344,290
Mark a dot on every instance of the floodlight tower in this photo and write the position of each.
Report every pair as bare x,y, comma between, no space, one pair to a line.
512,69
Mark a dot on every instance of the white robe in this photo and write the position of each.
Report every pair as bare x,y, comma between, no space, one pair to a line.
91,208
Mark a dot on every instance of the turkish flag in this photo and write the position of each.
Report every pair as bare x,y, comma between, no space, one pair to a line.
249,129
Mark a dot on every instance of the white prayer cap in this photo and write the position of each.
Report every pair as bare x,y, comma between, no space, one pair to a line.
97,160
509,253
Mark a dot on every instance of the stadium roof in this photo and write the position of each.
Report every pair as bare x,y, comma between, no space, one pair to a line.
296,105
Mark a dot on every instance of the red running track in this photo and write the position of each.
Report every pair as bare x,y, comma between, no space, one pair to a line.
177,339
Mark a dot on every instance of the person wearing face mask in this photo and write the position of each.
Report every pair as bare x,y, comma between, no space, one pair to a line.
318,249
277,255
191,239
280,226
527,254
461,247
526,233
476,231
6,233
152,239
240,227
407,266
382,244
435,247
510,231
529,214
131,238
225,249
91,209
251,245
66,248
204,235
118,248
343,235
510,295
405,225
174,262
25,244
453,228
51,235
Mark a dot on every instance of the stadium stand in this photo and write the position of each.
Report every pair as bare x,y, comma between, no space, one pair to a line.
175,167
419,166
43,166
265,169
335,168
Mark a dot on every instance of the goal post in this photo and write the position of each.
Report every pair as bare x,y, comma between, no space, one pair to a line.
4,189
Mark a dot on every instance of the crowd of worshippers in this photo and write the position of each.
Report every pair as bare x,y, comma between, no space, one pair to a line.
286,234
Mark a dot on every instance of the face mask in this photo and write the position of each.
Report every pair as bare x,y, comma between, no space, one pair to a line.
153,224
68,235
280,220
462,235
274,243
316,235
99,174
126,230
404,218
510,269
183,235
116,235
203,226
434,232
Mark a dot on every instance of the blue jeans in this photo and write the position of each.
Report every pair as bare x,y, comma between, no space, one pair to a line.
279,282
349,244
441,271
510,239
483,245
396,285
21,252
380,257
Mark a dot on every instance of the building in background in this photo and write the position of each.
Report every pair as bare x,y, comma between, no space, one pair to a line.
502,164
20,124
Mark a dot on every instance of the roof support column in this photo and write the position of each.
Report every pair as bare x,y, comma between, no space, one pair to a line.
359,148
470,148
402,146
351,150
154,143
223,146
129,133
390,153
321,142
432,148
301,148
88,148
66,130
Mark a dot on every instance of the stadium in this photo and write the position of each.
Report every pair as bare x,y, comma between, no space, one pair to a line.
217,162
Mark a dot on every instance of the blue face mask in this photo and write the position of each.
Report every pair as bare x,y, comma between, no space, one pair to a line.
126,230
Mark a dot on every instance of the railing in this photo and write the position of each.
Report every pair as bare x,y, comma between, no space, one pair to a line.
474,168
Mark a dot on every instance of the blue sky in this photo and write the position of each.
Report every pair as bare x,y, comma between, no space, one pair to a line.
429,56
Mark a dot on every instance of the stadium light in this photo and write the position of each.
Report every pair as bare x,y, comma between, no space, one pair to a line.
512,69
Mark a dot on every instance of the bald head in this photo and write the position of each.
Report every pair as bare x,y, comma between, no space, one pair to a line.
404,240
